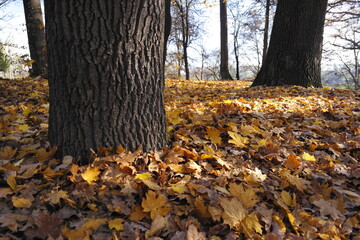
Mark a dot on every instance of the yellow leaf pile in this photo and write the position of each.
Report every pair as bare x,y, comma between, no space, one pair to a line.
241,163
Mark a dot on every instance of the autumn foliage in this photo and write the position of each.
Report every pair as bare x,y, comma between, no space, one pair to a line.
242,163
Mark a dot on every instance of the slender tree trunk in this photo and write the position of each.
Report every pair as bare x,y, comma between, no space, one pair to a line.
236,51
294,54
36,37
105,74
224,55
266,29
186,63
167,29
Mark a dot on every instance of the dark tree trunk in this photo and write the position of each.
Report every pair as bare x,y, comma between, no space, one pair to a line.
36,37
266,29
236,51
185,24
294,54
224,55
167,30
105,74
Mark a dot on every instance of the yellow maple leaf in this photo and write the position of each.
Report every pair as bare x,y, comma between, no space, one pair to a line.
7,153
146,179
214,135
251,224
248,130
234,212
156,204
91,174
21,202
294,180
246,194
238,140
117,224
179,188
308,157
84,231
173,117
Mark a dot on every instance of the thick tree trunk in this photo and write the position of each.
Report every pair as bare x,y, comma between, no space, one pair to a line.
105,74
36,37
224,55
294,54
266,29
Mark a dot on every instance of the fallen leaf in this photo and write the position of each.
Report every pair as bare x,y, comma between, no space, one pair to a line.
91,174
21,202
238,140
234,212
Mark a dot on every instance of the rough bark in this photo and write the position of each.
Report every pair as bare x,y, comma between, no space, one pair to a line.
36,37
224,55
105,74
294,54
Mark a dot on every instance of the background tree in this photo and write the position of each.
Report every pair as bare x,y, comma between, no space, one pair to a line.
250,25
266,28
36,36
224,52
343,48
186,28
4,2
167,28
294,54
105,75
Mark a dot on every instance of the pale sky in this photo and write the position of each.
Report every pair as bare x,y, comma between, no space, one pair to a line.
13,28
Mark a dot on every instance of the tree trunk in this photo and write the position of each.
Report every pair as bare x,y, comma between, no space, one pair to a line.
224,55
105,75
266,29
36,37
236,51
186,63
167,28
294,54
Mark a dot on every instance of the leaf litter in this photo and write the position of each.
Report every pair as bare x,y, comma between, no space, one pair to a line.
241,163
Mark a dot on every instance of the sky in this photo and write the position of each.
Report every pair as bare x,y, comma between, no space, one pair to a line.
13,27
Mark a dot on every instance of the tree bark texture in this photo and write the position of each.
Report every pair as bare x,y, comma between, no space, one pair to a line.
105,74
294,54
36,36
224,55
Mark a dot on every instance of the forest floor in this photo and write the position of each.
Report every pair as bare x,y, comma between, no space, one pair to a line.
242,163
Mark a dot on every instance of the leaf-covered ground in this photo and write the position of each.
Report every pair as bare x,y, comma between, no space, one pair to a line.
242,163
